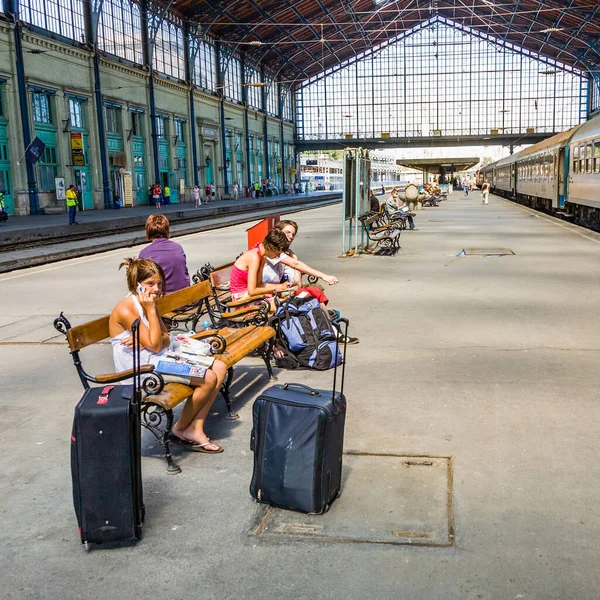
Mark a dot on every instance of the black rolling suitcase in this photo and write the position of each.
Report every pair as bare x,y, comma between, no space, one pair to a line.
106,461
297,439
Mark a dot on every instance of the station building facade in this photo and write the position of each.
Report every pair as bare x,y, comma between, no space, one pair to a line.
216,119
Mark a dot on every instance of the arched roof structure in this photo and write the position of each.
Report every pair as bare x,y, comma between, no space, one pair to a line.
300,40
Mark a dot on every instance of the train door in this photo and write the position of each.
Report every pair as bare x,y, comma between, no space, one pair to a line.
558,200
513,180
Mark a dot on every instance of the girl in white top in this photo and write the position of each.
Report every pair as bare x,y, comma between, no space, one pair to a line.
146,283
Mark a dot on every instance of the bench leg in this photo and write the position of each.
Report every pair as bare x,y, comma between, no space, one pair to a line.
225,391
266,351
152,419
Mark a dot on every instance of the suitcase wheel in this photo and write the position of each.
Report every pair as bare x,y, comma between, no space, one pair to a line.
138,532
87,546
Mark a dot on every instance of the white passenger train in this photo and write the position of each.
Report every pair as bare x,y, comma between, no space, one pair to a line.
560,175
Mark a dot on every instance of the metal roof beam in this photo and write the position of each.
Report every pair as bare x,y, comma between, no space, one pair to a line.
587,20
314,31
286,33
246,30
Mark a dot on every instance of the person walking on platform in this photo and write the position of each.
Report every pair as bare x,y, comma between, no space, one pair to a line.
72,204
213,192
485,192
466,187
156,191
236,190
167,195
196,196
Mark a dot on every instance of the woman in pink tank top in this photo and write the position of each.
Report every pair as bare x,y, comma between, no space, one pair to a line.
246,273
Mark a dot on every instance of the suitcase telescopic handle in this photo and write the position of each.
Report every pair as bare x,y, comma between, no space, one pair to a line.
345,333
310,390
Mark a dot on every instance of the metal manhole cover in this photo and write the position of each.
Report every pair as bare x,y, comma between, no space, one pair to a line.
396,499
487,251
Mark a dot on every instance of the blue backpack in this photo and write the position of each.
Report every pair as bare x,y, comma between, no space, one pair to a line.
306,333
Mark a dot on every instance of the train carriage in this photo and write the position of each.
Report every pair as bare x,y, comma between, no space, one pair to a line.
584,165
505,175
540,172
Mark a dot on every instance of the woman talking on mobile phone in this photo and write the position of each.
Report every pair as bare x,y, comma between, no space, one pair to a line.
146,283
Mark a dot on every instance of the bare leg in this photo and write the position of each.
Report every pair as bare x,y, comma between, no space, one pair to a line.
190,425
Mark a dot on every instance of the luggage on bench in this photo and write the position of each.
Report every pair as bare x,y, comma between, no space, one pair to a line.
297,439
106,461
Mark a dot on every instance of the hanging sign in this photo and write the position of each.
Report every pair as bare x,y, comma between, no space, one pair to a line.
76,140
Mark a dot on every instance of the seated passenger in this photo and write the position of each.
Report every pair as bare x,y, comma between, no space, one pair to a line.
395,207
246,273
146,282
166,253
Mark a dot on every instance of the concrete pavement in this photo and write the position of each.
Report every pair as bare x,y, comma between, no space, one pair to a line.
489,361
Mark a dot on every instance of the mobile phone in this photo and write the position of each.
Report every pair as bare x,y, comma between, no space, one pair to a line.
140,288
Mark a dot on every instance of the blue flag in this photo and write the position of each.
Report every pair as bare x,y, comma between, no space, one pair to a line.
33,153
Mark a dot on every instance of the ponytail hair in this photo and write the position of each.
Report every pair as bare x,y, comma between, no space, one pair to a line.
138,270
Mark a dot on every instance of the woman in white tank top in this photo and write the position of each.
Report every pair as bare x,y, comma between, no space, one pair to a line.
145,281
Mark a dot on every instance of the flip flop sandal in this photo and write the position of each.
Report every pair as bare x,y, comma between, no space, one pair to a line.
194,446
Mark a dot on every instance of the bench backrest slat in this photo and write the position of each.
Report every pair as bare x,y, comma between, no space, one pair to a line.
371,220
221,275
188,295
95,331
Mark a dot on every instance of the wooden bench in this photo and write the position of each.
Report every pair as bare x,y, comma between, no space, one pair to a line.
387,236
222,303
230,345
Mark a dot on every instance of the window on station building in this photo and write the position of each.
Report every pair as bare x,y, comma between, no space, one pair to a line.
63,17
112,116
47,168
2,6
272,96
137,123
287,102
2,100
204,63
232,76
180,131
161,127
76,109
120,30
168,51
253,83
442,77
42,107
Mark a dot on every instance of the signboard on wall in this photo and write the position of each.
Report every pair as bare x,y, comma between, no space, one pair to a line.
182,188
59,186
76,140
127,190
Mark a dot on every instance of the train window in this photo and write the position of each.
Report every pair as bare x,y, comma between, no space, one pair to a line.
575,158
597,156
588,158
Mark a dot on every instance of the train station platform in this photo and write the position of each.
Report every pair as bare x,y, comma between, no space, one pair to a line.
471,467
31,240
